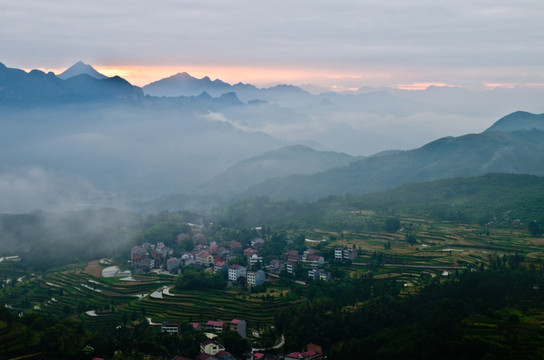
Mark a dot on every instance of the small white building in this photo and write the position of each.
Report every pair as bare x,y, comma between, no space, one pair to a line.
170,327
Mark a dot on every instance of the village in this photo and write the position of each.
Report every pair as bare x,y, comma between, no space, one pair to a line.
243,267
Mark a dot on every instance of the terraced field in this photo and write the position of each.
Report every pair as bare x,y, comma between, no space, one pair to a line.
102,304
78,291
215,305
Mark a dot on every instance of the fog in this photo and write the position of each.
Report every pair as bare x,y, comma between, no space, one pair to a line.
88,154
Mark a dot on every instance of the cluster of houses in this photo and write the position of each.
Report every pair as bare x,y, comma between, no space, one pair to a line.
207,253
149,256
212,350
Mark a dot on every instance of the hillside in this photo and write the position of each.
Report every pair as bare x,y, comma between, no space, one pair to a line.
520,120
296,159
497,200
518,152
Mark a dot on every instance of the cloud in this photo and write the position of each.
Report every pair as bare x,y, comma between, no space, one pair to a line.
34,188
452,39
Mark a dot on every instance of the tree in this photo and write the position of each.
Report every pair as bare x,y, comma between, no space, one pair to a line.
411,238
534,229
392,224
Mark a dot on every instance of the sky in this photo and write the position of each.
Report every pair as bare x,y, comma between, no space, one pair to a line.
331,44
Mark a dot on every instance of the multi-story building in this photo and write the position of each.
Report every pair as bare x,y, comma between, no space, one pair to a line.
236,271
216,325
342,254
239,326
255,278
210,347
172,265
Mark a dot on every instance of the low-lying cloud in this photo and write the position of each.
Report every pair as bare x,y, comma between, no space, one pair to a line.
29,189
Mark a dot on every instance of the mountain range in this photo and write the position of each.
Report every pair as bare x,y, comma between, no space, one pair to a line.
36,88
88,136
515,152
183,84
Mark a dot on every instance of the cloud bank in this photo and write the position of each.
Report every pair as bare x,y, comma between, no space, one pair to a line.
362,42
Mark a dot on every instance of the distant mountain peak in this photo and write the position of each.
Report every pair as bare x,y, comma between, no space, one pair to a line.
81,68
182,75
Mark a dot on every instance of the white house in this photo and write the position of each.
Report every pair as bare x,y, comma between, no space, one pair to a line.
235,271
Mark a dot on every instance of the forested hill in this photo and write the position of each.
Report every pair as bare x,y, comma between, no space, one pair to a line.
520,120
518,152
487,197
494,199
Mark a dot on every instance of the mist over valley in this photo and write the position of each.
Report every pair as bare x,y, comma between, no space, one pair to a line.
81,139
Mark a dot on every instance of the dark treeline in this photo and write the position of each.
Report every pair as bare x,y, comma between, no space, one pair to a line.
437,323
496,200
53,338
198,279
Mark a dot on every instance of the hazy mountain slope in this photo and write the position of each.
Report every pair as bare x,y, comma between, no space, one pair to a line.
520,120
286,161
80,68
127,151
518,152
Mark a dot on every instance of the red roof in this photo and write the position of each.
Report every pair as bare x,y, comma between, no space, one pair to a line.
215,323
297,355
209,341
221,353
235,321
249,251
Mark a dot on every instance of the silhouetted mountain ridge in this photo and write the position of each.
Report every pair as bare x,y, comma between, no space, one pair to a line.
183,84
19,88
